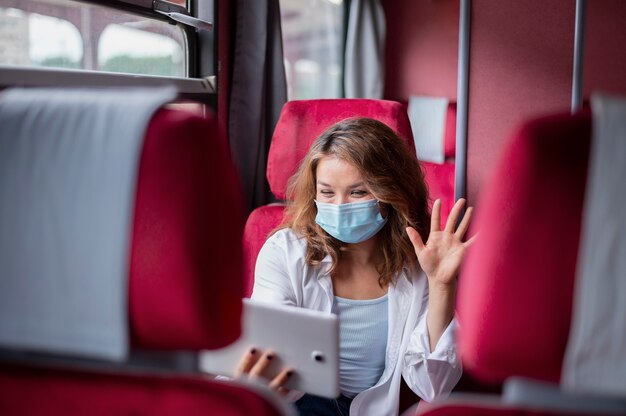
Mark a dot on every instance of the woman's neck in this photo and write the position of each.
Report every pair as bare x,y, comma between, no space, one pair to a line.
357,275
364,254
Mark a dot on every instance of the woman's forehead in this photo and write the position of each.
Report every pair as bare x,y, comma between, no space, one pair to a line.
333,170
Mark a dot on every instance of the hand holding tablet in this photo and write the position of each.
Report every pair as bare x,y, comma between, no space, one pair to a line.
304,340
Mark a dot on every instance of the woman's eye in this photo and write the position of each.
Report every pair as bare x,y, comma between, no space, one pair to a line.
326,192
359,193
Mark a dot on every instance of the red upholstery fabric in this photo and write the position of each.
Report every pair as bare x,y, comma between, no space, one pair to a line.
185,288
440,177
440,181
302,121
449,144
515,293
260,223
48,391
185,271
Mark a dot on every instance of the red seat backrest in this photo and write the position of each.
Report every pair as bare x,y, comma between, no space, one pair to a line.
185,274
185,289
516,288
515,293
300,123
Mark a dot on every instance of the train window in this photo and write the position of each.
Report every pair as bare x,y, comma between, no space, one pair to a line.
38,40
141,50
67,34
313,37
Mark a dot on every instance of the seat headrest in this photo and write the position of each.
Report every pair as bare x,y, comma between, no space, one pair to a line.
433,120
112,179
186,268
516,287
301,122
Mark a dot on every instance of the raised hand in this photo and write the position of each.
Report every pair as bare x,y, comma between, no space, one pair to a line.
441,256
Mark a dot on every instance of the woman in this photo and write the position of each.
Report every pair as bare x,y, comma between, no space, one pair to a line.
353,244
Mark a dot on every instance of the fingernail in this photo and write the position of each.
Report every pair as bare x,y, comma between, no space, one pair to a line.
269,356
252,351
289,373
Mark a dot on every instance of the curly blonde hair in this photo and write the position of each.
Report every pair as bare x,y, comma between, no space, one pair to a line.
392,174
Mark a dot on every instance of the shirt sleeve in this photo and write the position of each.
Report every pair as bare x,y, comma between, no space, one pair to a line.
431,374
272,282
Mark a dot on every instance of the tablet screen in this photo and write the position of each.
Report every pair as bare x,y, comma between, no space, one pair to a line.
304,339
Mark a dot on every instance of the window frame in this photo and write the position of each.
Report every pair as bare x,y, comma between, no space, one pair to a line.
196,89
192,86
154,9
146,8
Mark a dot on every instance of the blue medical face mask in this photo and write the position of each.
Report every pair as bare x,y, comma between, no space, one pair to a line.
351,223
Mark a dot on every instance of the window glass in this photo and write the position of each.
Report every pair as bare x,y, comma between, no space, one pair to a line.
64,49
124,48
67,34
313,33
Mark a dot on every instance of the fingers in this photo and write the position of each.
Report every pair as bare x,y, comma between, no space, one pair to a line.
435,216
464,225
470,241
261,364
282,377
255,364
247,362
415,238
283,391
454,215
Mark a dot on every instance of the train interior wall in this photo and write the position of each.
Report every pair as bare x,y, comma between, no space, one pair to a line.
521,56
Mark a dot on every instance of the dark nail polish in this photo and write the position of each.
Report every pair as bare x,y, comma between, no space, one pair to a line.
289,373
269,356
252,351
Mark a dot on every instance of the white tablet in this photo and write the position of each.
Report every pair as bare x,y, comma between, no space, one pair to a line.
304,339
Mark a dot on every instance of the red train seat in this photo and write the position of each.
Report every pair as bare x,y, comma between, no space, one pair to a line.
299,125
516,290
184,292
520,273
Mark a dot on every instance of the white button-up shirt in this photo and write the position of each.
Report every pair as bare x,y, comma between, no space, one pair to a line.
282,276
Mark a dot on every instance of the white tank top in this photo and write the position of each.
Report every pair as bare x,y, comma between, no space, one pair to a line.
362,342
